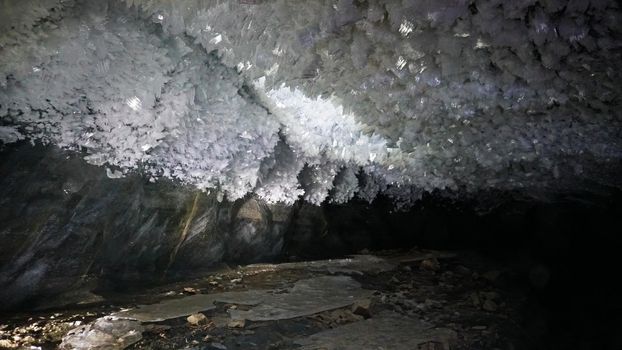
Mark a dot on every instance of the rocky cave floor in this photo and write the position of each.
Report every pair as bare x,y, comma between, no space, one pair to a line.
418,299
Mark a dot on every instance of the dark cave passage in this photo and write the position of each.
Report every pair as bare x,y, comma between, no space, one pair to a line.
563,255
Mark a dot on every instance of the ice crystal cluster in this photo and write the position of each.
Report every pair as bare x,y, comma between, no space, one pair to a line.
321,100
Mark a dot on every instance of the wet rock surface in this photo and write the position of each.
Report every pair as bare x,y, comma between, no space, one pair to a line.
68,228
386,330
106,333
69,231
297,305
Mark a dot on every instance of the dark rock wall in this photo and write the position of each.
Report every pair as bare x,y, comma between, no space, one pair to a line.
65,226
63,222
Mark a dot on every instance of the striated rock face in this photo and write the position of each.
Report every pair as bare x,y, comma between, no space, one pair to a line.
64,221
256,226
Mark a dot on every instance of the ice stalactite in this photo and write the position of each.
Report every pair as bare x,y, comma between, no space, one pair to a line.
322,99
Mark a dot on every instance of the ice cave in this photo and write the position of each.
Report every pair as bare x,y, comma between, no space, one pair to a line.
319,174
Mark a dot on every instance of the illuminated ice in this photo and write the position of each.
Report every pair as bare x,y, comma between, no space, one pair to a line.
321,99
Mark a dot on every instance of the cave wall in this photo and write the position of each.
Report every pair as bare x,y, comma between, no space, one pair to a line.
65,226
65,221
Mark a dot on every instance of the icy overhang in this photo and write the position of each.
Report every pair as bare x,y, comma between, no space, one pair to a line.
322,99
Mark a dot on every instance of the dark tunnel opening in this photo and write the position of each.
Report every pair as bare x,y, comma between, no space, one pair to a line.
563,255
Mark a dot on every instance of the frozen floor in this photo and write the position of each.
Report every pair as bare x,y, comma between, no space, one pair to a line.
415,300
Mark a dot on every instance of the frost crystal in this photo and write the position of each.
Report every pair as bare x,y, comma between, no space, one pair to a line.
321,99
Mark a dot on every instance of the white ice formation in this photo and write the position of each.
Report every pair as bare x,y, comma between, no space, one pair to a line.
321,99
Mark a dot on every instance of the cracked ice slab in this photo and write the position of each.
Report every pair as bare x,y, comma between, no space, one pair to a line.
306,297
356,264
387,330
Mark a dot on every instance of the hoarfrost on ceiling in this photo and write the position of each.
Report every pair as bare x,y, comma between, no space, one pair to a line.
321,99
